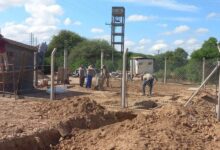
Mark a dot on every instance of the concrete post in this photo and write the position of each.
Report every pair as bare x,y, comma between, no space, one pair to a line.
65,59
65,63
102,56
132,68
52,75
35,70
123,96
203,69
165,71
218,106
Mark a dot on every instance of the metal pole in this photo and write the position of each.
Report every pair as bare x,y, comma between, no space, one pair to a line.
52,75
123,96
204,82
165,71
35,70
218,106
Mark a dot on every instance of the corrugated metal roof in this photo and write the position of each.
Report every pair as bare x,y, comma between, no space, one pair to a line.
140,58
33,48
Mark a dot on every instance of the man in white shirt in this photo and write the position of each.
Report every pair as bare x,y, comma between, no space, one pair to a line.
148,79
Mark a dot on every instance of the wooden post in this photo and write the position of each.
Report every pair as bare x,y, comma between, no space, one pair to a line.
165,71
52,75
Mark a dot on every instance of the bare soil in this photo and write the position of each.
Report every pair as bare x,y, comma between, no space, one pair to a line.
89,119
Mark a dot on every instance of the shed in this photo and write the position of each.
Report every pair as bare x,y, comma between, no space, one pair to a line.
140,65
21,67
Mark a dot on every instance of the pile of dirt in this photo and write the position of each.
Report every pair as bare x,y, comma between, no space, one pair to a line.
21,118
59,117
68,108
168,127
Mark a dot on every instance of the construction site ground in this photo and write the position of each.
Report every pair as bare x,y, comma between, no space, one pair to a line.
93,120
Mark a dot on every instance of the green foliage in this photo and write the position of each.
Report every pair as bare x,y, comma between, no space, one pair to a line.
86,52
89,52
194,70
65,39
208,50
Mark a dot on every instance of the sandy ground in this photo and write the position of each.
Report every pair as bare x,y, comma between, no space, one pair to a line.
91,121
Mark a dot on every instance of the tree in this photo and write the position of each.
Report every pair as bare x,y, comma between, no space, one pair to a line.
89,52
180,57
65,39
208,50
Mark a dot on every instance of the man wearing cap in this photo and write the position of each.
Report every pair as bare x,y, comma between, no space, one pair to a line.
148,79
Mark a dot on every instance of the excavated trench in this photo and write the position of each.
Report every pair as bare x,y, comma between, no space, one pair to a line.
48,138
146,104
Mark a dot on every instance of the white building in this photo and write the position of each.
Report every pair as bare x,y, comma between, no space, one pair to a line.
139,65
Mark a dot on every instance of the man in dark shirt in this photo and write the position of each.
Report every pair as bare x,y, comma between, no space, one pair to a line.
3,54
82,75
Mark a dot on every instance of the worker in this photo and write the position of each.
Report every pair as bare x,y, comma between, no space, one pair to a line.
90,74
106,75
3,54
99,81
82,75
150,80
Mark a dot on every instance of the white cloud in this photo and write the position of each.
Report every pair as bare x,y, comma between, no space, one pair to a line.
202,30
97,30
191,41
178,42
4,4
136,18
42,20
140,48
67,21
181,29
180,19
129,43
144,41
213,15
159,45
167,4
178,30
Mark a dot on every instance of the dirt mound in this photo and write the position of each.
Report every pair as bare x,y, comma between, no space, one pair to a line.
168,127
68,108
29,117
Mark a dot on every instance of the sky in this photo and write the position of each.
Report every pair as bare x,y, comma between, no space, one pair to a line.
152,26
